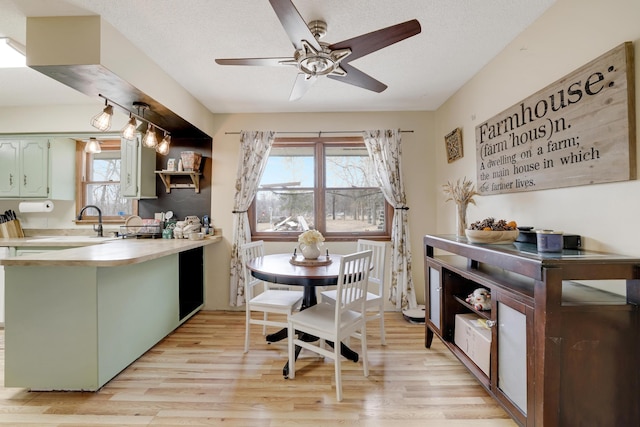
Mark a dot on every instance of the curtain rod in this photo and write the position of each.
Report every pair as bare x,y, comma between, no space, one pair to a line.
319,132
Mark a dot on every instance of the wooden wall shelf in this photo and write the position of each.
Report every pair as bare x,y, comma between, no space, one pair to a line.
165,176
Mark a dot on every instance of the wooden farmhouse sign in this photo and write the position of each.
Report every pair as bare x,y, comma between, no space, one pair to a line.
579,130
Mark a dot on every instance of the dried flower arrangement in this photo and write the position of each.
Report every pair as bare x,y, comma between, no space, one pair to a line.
462,194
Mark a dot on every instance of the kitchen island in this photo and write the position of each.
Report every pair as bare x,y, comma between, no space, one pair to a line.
76,317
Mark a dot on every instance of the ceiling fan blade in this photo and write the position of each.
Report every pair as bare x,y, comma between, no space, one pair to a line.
254,61
358,78
376,40
301,86
296,28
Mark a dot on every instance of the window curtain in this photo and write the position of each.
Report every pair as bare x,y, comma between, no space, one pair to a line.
254,152
384,147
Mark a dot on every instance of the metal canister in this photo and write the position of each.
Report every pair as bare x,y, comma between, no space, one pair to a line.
549,240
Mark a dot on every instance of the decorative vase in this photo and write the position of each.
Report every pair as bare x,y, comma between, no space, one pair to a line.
309,251
461,219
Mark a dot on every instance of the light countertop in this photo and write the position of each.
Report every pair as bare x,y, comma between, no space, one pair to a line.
97,252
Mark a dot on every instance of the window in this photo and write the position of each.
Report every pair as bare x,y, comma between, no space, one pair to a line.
326,184
98,183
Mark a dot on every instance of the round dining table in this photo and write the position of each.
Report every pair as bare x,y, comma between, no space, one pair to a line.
279,268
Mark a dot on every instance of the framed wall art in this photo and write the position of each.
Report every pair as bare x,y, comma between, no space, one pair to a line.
453,142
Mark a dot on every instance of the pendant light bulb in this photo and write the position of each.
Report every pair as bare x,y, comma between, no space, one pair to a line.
102,121
129,131
142,128
163,147
92,146
150,140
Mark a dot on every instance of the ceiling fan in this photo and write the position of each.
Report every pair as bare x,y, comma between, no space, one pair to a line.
315,59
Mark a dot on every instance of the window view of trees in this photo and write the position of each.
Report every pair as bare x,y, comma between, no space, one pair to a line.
285,199
103,188
101,182
328,186
353,200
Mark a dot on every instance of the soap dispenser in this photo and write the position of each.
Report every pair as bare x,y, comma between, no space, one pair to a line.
205,222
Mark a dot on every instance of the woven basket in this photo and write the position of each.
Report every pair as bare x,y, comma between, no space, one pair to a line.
191,160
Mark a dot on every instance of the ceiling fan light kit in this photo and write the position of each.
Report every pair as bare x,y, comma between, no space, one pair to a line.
314,59
314,62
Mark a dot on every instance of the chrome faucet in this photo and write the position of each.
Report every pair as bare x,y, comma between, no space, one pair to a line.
99,228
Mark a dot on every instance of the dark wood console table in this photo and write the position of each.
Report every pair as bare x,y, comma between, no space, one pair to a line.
564,351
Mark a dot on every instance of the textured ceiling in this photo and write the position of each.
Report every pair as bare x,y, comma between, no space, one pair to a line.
185,37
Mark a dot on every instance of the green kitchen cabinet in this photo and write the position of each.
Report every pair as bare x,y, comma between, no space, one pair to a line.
24,165
37,168
137,176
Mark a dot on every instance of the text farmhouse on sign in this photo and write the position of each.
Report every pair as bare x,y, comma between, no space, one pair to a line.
577,131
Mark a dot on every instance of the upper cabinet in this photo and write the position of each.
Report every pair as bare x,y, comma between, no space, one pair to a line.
137,176
24,166
34,168
37,168
9,168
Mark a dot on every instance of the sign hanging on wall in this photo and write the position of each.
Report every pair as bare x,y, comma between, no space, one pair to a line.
579,130
453,142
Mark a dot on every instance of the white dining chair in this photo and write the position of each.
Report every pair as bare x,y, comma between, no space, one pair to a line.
268,301
335,322
375,293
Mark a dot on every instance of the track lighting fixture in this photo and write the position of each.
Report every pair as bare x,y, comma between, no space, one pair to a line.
129,131
142,128
102,121
144,125
145,128
92,146
163,147
150,139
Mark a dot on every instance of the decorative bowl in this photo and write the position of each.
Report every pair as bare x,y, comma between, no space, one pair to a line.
196,236
492,237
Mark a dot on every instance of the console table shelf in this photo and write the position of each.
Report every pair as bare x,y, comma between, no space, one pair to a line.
564,348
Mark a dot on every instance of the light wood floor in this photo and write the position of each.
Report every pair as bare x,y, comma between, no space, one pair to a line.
199,376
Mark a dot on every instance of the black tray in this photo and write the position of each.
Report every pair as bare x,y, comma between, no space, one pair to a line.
571,241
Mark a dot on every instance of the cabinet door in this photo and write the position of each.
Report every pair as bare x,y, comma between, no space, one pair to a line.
512,355
9,168
137,176
129,167
435,301
34,161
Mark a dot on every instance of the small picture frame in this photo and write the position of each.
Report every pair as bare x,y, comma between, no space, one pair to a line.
453,143
171,165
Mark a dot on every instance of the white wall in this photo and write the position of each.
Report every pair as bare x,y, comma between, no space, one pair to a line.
570,34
